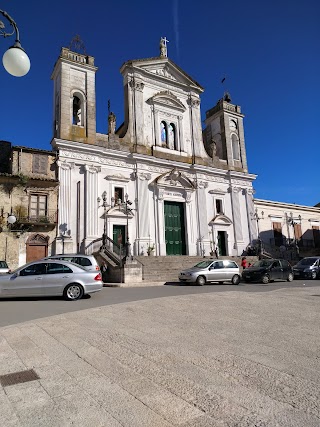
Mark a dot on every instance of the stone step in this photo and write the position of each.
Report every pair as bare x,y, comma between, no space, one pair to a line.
167,268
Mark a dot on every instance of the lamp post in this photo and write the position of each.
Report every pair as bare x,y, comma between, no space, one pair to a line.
125,205
293,222
257,218
15,60
104,205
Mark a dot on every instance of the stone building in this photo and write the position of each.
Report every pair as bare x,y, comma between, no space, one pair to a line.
286,229
29,195
158,181
187,194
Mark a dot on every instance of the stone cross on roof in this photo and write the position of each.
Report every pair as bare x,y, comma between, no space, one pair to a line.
163,47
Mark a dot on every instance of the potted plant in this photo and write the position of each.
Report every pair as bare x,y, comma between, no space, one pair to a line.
150,250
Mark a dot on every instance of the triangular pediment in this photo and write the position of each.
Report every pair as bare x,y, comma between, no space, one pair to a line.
167,98
174,178
163,68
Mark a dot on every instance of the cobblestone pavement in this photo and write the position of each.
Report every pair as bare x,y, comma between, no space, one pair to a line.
221,359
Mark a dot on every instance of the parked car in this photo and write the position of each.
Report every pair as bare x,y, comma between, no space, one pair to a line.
212,271
307,267
50,278
88,262
4,267
267,270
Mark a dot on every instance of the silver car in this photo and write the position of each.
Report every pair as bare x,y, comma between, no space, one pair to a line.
212,271
4,267
88,262
50,278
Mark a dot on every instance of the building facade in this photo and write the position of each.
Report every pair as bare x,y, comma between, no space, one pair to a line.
158,180
287,229
29,195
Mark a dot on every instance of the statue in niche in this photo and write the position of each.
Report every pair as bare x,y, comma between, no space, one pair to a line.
76,119
213,148
111,123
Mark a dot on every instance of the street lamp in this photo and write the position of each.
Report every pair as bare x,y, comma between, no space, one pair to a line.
293,222
104,205
125,205
11,219
255,217
15,60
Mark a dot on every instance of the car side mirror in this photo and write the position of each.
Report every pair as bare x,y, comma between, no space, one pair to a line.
14,276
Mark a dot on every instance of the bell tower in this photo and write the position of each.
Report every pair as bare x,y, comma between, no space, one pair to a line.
74,103
224,134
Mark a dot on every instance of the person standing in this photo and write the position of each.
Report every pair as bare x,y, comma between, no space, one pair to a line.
104,269
244,263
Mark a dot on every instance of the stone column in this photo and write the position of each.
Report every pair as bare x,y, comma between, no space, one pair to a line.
143,213
252,229
139,113
180,133
190,231
203,238
66,235
91,208
236,217
157,128
160,228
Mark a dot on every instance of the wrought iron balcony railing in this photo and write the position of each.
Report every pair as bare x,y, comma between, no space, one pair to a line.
50,217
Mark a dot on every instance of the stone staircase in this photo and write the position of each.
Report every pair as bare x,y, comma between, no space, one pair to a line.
167,268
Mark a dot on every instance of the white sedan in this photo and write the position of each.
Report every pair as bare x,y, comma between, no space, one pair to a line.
50,278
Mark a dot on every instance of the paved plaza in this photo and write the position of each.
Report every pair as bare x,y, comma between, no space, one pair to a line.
216,359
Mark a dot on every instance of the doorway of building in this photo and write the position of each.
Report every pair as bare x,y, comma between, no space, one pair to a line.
174,228
222,243
37,247
119,237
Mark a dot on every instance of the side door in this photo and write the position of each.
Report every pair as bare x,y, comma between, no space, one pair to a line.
217,272
57,278
276,271
28,282
230,268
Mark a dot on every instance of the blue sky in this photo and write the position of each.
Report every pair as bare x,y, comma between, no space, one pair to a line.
268,50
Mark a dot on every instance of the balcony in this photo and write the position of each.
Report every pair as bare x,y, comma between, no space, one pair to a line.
45,222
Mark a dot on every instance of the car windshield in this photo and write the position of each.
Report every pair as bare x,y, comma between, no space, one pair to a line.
203,264
307,261
263,263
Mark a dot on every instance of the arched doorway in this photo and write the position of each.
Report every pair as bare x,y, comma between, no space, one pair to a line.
37,247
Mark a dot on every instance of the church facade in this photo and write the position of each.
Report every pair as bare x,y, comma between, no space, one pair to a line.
159,181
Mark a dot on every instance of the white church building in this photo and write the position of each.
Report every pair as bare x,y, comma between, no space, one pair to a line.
158,181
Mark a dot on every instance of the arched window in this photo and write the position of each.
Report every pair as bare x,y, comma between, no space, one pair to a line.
235,147
172,137
164,134
77,112
233,125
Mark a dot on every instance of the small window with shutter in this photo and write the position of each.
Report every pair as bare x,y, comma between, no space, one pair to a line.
40,164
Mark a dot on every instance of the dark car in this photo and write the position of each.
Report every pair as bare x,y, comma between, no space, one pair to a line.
307,267
267,270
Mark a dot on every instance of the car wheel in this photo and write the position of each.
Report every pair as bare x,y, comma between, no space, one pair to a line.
235,279
290,277
73,292
201,280
313,275
265,279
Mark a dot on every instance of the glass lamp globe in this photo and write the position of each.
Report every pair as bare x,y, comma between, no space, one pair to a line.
11,219
16,61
